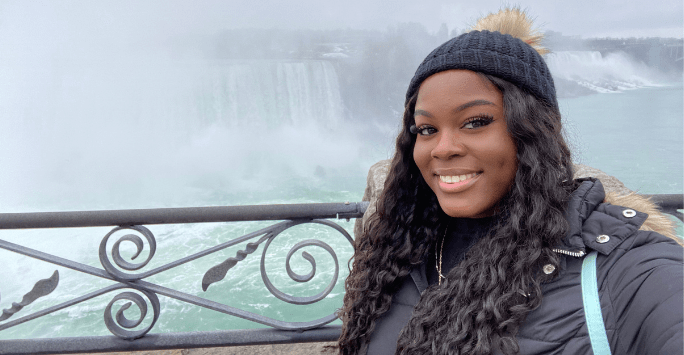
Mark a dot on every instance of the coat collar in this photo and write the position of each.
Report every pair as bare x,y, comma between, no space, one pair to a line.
597,225
419,276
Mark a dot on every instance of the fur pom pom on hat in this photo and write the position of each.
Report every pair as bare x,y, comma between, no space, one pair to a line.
504,45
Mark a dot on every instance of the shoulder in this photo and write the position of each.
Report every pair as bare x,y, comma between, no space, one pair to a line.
646,262
652,243
642,295
633,239
641,280
656,220
622,223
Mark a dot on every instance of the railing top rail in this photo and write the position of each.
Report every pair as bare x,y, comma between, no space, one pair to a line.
181,215
667,201
161,341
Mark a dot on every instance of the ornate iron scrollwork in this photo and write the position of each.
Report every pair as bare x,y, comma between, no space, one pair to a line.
219,271
41,288
299,278
117,326
116,254
146,293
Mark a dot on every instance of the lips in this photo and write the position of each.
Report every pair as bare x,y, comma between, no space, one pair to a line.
453,182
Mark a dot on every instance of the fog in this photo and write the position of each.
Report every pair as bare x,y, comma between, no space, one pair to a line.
177,103
160,18
151,132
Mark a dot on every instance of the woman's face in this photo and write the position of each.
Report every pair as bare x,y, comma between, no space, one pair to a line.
463,148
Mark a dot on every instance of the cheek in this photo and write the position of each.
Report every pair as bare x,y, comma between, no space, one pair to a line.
421,155
499,154
507,159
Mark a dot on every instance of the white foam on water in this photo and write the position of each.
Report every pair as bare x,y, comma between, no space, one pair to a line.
614,72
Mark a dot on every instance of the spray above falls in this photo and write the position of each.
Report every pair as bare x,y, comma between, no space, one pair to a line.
126,134
592,72
271,94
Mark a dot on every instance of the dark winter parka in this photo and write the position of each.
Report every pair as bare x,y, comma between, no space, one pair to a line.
640,277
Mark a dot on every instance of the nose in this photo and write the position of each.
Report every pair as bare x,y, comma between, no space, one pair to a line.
448,146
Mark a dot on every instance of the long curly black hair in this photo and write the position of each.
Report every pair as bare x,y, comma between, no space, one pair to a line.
487,296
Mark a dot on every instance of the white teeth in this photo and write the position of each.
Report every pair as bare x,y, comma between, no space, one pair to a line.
456,178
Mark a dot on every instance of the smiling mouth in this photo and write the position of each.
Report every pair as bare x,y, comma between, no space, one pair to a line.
457,178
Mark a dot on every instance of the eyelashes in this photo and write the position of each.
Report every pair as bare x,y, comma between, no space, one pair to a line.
471,123
424,130
479,121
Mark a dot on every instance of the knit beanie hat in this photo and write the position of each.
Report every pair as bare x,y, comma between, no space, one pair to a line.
503,45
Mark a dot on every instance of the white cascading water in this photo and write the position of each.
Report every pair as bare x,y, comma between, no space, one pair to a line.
122,134
613,73
273,94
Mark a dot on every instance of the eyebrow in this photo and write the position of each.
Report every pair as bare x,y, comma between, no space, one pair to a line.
466,105
474,103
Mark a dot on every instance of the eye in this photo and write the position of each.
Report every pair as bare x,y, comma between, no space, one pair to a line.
425,130
477,122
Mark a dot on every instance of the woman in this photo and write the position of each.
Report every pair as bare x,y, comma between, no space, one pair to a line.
479,236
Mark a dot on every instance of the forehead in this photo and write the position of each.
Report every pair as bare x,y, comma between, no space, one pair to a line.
456,87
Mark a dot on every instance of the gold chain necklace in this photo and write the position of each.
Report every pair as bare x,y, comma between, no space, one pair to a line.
438,260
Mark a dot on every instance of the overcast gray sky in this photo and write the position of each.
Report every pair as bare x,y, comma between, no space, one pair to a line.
588,18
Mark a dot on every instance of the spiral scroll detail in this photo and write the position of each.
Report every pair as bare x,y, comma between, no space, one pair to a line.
304,278
116,254
116,326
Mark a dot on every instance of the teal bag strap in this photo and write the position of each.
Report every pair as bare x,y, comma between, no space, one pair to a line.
592,307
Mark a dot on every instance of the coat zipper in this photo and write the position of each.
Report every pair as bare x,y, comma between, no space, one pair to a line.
577,254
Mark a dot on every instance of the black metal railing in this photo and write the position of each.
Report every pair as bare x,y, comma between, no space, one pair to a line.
124,275
669,203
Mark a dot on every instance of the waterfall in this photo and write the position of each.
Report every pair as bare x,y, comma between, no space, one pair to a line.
590,69
125,132
271,94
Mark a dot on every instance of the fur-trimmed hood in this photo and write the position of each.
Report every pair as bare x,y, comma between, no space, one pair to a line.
657,221
602,223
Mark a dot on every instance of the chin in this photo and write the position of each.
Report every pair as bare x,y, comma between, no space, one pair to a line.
466,212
